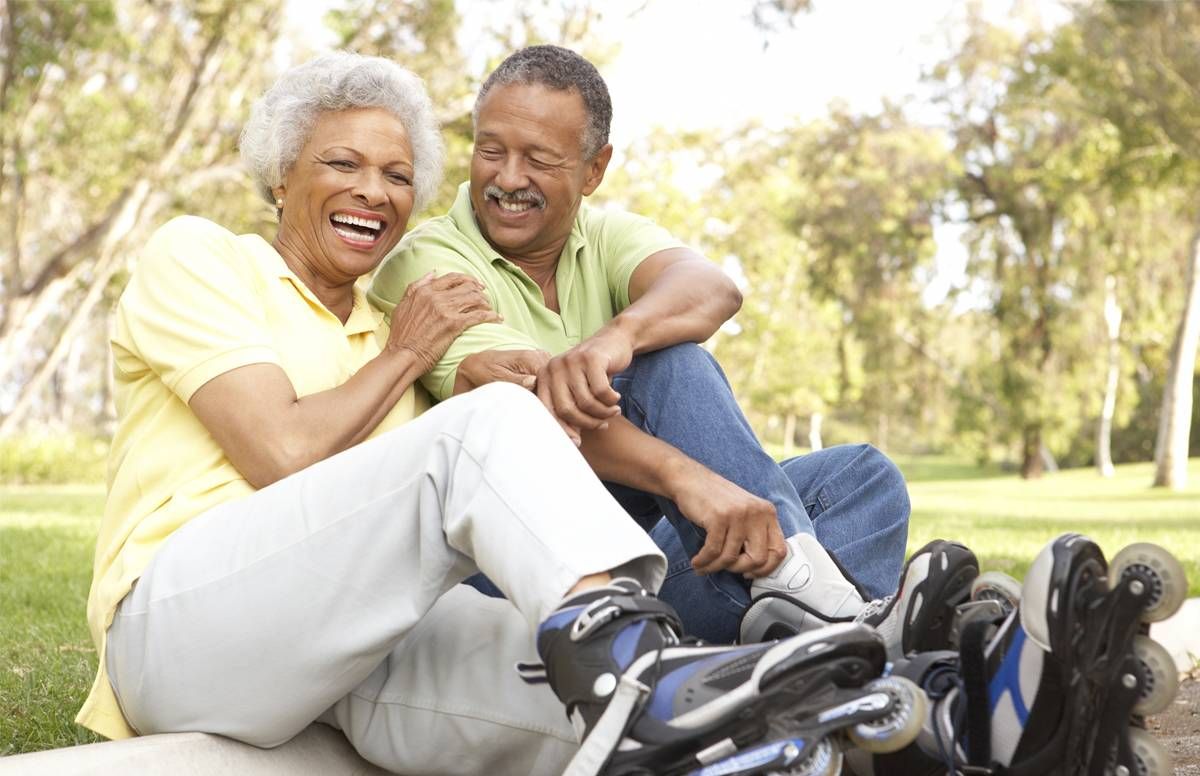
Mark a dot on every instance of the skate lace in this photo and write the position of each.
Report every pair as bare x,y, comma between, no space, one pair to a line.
872,609
938,685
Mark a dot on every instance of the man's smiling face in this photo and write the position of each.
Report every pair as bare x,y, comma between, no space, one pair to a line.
528,174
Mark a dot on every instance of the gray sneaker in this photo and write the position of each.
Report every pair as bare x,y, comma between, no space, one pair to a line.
809,590
919,617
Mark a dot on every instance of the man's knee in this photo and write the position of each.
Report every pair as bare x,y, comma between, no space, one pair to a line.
685,355
685,364
882,474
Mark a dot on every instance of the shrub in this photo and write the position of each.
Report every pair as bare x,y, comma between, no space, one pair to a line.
52,459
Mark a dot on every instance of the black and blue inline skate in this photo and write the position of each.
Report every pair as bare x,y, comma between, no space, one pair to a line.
647,703
1060,684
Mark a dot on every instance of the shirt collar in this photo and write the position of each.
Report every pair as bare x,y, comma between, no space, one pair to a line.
363,317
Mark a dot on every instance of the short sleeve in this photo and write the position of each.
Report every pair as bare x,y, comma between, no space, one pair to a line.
414,259
194,308
626,240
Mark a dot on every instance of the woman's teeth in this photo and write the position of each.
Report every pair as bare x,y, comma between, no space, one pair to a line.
356,228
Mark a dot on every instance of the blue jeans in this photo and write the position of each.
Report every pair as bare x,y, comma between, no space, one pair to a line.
851,497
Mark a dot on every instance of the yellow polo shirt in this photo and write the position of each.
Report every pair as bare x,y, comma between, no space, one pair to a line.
202,301
600,255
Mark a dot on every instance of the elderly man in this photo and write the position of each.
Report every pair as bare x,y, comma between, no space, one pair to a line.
601,310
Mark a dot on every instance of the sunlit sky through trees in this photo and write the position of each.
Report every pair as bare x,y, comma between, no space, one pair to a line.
680,65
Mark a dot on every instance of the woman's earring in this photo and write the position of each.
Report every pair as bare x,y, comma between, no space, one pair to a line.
279,203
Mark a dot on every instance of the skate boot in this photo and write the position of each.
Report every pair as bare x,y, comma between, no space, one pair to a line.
645,702
1062,685
804,593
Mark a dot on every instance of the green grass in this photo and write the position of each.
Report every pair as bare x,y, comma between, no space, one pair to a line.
46,657
1007,520
47,534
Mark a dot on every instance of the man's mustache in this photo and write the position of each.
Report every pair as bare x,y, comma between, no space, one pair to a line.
527,194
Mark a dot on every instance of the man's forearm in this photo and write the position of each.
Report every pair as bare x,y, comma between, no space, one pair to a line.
624,454
685,301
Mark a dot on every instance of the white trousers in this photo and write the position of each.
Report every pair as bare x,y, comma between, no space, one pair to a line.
334,593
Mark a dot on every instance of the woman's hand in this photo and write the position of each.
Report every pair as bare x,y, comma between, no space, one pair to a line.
500,366
434,311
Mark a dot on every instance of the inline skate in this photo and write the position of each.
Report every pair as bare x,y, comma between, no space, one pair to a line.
1059,685
647,703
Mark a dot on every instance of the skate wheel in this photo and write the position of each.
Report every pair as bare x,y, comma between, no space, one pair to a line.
1169,580
824,760
1150,756
1160,680
997,586
900,726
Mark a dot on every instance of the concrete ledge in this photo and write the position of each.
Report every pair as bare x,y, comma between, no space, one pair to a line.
319,749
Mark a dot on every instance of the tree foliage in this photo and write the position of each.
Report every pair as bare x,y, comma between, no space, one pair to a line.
1067,156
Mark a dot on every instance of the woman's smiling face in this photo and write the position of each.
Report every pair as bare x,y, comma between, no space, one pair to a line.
348,197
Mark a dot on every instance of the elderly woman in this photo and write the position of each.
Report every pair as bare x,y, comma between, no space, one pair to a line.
283,537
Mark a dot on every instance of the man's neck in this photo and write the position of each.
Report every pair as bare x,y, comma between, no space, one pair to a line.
542,270
540,266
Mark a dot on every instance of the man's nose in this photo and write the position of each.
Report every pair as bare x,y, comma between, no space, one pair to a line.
512,175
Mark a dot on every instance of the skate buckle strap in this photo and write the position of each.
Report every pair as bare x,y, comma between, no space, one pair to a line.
975,687
599,613
608,731
532,673
975,770
604,610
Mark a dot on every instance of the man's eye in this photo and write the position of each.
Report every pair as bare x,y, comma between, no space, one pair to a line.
488,153
540,164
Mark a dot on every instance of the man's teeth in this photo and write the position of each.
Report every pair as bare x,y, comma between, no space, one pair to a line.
514,207
369,223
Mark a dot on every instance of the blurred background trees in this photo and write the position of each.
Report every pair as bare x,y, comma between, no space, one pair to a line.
1065,156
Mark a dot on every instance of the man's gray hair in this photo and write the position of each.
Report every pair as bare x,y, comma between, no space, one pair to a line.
282,120
561,69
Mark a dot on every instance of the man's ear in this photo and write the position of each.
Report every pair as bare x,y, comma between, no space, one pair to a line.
595,169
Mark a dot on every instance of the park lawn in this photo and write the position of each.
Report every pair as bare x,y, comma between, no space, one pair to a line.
46,656
47,534
1006,520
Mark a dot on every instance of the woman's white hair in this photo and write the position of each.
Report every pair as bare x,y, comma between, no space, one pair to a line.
282,120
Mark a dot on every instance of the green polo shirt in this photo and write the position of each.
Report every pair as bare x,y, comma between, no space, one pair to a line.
604,248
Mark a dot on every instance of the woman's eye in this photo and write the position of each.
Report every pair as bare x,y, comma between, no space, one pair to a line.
341,164
398,179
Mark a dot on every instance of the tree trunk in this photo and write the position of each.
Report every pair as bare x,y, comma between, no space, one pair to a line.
1112,318
107,263
29,314
1175,418
1032,463
767,340
789,434
814,431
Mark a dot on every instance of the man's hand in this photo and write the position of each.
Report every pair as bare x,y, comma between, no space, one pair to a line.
743,529
496,366
577,385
